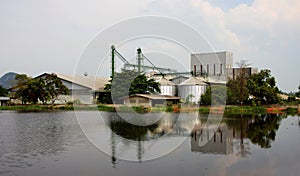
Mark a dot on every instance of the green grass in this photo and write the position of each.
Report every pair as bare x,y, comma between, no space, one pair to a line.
204,110
27,108
291,111
245,110
142,109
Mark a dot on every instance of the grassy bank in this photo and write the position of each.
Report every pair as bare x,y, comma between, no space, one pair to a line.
142,109
41,108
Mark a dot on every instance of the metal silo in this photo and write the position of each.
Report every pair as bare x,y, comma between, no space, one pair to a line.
167,87
192,88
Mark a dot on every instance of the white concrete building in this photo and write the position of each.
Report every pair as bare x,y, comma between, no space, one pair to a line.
211,64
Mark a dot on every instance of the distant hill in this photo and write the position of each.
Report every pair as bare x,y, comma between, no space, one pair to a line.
8,80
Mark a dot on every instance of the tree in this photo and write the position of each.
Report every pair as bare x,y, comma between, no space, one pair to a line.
242,80
130,82
262,129
214,95
298,93
263,87
52,88
236,92
43,89
3,92
21,88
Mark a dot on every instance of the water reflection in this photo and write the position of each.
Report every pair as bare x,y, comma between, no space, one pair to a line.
27,137
233,136
51,143
237,132
262,129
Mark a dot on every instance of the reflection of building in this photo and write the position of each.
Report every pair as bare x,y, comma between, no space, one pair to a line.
220,142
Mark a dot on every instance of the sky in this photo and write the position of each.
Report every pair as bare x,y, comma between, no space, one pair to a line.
40,36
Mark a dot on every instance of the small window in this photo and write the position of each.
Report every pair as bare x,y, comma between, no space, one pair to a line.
221,68
207,69
214,69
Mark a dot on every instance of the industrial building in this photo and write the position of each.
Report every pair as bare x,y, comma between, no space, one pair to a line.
4,101
83,88
211,64
218,65
205,69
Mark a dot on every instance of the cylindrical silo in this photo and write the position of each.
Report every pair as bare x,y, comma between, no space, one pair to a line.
167,87
192,89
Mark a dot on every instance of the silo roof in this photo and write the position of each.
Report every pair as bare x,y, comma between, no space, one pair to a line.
165,82
193,81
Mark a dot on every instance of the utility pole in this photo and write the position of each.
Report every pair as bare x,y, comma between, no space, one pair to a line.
112,61
139,59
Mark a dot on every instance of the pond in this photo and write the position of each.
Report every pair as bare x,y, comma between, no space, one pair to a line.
54,143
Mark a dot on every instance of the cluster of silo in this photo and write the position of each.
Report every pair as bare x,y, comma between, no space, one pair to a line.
188,89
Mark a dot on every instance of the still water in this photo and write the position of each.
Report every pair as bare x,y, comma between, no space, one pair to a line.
52,143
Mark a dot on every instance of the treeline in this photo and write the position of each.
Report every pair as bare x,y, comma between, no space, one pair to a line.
258,89
44,89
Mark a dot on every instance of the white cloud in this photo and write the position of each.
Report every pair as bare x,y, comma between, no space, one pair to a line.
264,32
37,35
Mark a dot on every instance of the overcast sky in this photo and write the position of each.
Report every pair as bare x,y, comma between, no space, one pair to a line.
49,35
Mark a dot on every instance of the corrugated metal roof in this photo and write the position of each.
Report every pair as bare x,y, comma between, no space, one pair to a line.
92,82
155,97
164,82
215,81
193,81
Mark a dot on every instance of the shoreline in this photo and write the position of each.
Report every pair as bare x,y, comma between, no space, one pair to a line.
229,109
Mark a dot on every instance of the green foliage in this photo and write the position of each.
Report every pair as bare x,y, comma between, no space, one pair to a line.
214,95
298,93
52,88
106,108
3,92
204,110
130,82
27,89
291,110
263,87
205,98
187,99
262,129
237,92
245,110
43,89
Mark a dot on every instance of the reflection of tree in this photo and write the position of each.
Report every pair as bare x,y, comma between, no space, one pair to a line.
243,146
238,125
130,131
262,130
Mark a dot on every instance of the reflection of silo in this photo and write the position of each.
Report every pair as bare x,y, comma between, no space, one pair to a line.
192,88
221,142
167,87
